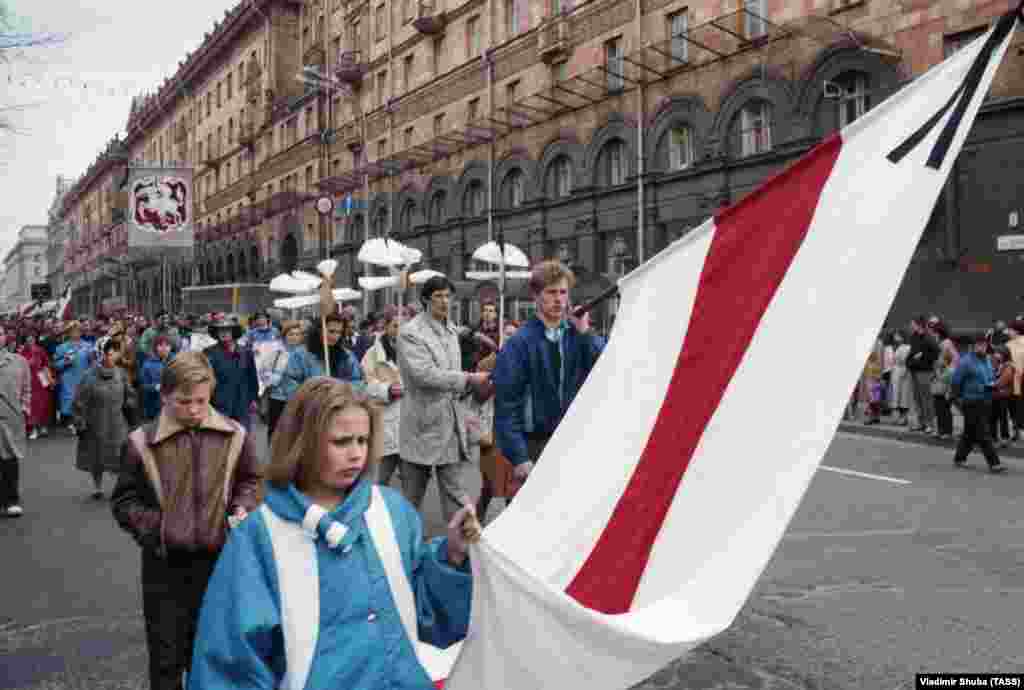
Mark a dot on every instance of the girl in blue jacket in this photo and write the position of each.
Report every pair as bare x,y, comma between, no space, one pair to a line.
330,584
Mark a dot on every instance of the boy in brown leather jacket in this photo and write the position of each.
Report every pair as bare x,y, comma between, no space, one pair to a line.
186,477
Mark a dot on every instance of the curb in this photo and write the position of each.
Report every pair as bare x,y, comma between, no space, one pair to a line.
879,431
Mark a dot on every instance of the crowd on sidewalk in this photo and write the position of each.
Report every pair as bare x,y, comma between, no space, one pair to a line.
922,377
167,407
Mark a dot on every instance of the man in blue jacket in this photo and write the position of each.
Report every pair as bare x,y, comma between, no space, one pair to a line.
539,370
972,384
235,370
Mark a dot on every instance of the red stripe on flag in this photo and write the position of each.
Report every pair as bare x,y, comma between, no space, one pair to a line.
752,248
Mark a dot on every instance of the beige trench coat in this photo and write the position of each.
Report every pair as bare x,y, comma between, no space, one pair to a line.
15,399
433,422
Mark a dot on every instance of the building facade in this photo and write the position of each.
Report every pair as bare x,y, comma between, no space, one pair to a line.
595,132
25,265
56,238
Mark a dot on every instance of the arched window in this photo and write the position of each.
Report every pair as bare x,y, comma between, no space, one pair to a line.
473,204
243,266
289,254
753,128
438,212
356,230
612,164
230,268
254,263
405,220
618,257
512,192
559,181
219,274
679,140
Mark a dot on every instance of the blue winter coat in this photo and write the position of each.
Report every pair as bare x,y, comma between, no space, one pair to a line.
149,382
527,396
361,644
237,383
304,365
974,378
71,373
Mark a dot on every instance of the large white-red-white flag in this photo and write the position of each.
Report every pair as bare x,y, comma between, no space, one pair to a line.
665,491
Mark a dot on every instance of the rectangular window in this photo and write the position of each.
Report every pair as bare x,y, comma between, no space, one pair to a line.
473,110
678,25
209,103
407,63
616,164
756,130
335,48
408,137
511,18
754,18
382,149
357,36
613,63
559,72
310,121
230,89
309,178
438,52
472,37
220,91
382,87
680,150
563,177
511,96
853,102
438,124
381,28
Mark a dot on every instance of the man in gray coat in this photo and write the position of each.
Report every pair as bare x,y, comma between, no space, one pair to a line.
433,431
15,402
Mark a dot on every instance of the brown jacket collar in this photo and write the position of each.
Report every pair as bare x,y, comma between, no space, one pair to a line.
166,426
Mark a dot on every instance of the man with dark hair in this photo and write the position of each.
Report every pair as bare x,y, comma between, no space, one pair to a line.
238,383
972,385
540,369
434,430
924,351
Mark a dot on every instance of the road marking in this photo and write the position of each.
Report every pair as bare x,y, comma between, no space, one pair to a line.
864,475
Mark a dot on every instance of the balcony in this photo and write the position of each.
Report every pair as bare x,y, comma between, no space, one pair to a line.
283,201
430,18
553,40
351,68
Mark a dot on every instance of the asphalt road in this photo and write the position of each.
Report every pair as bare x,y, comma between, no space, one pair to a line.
879,577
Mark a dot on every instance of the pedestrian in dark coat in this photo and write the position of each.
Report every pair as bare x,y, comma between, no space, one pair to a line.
238,384
972,384
103,408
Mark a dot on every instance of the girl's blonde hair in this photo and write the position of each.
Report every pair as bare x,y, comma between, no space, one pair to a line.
298,447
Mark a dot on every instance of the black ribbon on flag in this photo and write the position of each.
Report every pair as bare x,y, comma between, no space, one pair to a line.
961,98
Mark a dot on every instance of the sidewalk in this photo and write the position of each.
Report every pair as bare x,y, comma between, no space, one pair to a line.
887,429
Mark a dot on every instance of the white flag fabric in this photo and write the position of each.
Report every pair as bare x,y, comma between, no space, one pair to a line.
666,489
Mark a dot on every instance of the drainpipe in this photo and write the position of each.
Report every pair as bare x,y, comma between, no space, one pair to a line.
640,145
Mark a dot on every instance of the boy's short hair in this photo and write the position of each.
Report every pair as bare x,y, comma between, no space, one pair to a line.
185,372
547,273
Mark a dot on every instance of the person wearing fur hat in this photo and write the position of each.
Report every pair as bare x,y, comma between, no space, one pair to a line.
238,384
71,360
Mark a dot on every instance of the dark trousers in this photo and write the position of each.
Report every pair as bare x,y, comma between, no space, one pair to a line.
943,415
976,433
172,592
274,410
9,480
1000,420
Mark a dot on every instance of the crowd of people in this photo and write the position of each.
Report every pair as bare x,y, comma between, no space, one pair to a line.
919,376
168,407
